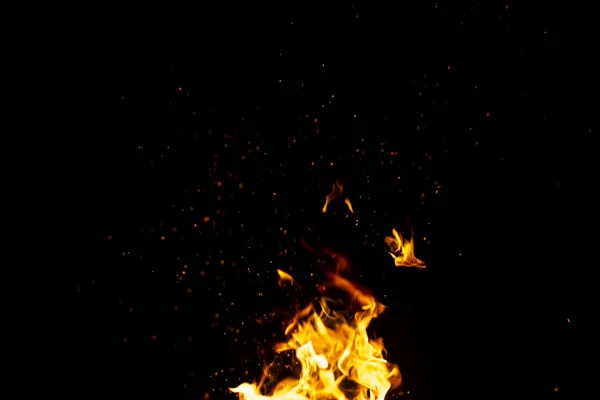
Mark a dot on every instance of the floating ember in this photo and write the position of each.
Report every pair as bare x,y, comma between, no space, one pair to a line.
337,358
402,250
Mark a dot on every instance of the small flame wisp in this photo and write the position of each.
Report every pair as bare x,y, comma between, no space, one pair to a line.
402,250
336,191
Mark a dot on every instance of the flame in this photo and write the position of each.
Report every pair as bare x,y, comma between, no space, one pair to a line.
337,359
347,201
285,277
336,191
403,251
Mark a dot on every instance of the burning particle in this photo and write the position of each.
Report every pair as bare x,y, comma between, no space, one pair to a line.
162,238
154,338
110,237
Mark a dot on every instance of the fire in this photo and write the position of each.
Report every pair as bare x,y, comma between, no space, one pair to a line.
285,277
347,201
337,358
336,191
403,251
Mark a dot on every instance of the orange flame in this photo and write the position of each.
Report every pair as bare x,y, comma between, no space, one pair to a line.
403,251
336,191
285,277
347,201
337,358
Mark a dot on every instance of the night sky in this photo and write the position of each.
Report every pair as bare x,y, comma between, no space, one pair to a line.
206,139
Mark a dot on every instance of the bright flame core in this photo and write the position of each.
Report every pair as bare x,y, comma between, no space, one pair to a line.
337,358
403,251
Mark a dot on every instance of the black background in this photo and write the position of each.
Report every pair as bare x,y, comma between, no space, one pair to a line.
507,232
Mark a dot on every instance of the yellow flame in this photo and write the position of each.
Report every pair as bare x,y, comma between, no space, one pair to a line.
347,201
403,251
337,358
336,191
285,277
